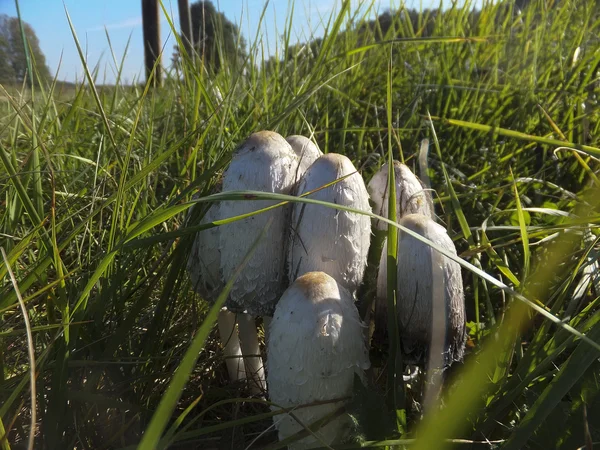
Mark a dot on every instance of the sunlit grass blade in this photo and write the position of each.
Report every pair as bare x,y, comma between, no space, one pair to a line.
594,151
466,230
523,232
31,350
92,87
498,261
167,439
34,165
394,366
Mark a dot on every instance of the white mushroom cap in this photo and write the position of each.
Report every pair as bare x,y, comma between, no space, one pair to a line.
264,162
204,262
306,150
315,347
411,196
325,239
430,300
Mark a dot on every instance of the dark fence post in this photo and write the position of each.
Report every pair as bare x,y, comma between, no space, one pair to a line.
185,24
151,25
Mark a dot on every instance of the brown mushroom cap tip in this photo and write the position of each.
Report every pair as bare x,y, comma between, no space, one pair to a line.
261,137
313,284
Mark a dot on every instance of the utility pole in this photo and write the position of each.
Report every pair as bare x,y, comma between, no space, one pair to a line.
151,25
185,24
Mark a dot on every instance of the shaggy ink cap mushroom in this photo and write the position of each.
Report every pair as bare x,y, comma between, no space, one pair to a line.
264,162
430,300
411,196
325,239
315,347
306,150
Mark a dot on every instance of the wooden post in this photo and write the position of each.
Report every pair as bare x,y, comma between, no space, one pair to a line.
185,24
151,25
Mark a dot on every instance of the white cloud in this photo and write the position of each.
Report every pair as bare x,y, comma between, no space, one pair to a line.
132,22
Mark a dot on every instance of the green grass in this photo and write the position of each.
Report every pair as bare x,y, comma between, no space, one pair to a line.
95,186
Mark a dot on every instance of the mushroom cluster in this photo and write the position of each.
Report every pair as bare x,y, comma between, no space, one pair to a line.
306,274
429,293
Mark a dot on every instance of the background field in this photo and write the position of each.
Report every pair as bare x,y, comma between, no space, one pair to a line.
94,185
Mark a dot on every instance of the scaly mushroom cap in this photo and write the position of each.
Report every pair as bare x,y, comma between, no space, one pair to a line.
306,150
430,300
325,239
315,347
204,262
264,162
411,197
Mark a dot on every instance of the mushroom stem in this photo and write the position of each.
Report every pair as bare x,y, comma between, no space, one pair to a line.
255,372
423,165
231,345
266,325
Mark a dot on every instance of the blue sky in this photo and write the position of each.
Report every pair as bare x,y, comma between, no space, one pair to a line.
122,19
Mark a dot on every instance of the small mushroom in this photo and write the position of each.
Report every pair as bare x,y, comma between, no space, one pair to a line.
411,196
314,349
430,300
325,239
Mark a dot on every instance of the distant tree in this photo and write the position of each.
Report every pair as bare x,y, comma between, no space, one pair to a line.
13,62
7,72
521,4
215,38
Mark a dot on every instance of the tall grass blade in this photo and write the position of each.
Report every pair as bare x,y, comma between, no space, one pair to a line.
93,89
395,366
568,375
593,151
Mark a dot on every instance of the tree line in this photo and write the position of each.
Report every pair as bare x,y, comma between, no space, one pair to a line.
217,42
13,59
